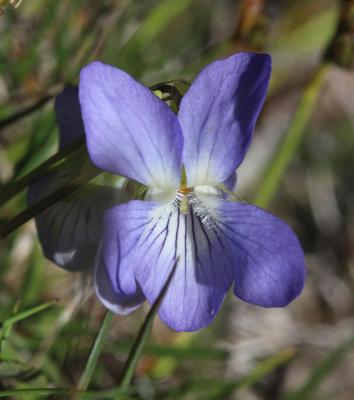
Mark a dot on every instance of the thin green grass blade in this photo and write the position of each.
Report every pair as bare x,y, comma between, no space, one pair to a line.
25,314
95,352
291,140
16,187
143,335
87,172
5,332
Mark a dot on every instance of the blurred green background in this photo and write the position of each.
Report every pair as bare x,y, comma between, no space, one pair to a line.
300,166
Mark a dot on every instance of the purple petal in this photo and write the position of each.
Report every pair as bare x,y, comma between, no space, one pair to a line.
230,184
150,240
68,113
117,300
218,114
130,131
268,258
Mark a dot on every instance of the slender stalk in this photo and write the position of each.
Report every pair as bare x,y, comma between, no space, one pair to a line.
11,190
143,335
6,330
46,202
30,212
25,314
26,111
95,352
291,139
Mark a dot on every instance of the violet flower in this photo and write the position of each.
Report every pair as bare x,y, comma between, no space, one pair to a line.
185,161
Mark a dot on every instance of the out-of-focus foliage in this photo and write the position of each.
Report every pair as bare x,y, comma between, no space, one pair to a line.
50,317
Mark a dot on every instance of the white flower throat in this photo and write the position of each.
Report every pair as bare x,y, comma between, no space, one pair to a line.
200,201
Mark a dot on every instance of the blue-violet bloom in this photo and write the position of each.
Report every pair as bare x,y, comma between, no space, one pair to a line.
186,221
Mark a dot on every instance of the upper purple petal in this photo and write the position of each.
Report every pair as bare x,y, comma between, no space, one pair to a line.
269,265
130,131
218,114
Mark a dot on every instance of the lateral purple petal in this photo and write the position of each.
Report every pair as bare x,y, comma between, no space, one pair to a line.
68,115
129,130
111,273
218,114
269,265
118,300
151,243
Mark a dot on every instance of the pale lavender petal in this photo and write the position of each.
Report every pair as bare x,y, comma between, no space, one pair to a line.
269,265
119,300
68,114
230,185
129,130
150,241
218,114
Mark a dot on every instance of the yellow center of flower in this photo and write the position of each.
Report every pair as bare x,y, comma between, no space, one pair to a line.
184,191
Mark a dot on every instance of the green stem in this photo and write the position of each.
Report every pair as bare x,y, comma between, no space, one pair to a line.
291,140
143,335
95,352
25,314
11,190
59,194
26,111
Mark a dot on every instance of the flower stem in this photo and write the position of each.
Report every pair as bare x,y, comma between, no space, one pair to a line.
143,335
59,194
95,352
136,351
11,190
292,138
4,123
